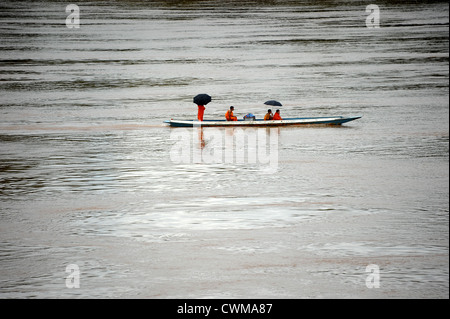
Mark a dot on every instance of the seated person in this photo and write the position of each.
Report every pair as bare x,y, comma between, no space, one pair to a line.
229,115
269,115
277,116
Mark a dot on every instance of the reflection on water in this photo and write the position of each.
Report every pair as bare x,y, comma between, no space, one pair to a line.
254,147
90,175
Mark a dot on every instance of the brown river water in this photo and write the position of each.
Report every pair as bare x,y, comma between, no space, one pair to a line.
96,190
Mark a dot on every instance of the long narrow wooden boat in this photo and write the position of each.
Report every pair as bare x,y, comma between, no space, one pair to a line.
333,120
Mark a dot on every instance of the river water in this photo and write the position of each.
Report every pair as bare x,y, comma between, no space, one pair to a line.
93,180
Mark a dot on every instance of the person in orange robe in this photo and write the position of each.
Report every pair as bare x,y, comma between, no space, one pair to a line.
268,116
229,115
201,111
277,116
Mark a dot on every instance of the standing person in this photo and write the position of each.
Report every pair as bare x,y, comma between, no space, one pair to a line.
201,100
269,115
277,116
201,111
229,115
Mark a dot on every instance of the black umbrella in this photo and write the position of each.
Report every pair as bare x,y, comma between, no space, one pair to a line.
202,99
273,103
